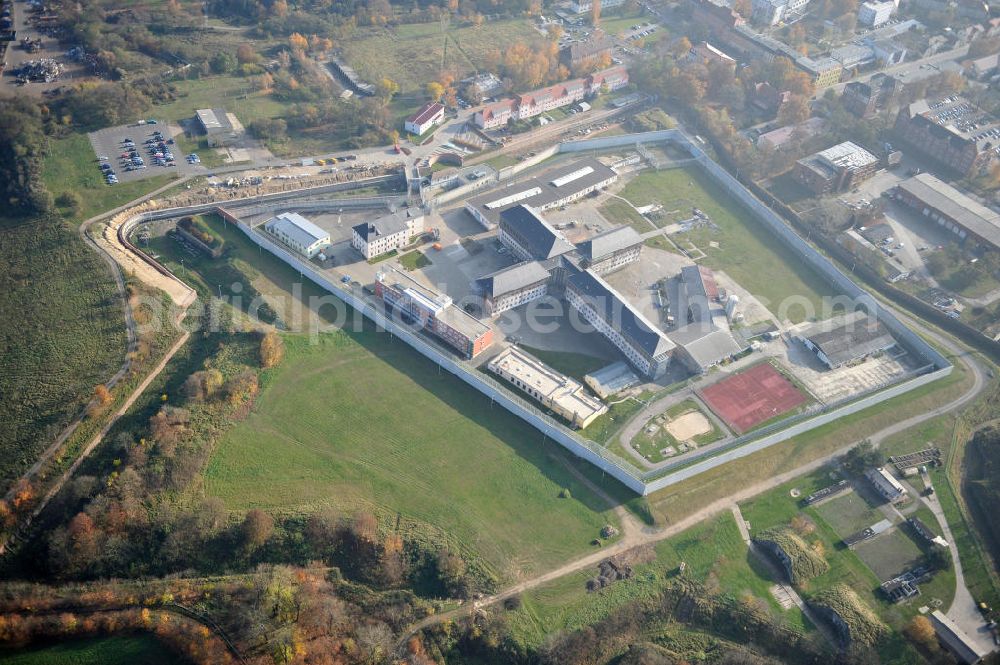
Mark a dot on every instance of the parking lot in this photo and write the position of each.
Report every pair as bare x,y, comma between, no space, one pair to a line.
110,143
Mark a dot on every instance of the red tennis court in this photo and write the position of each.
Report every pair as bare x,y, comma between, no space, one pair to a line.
751,397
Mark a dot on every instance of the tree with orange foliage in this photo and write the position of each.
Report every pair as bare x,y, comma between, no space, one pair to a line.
298,42
24,494
272,350
595,13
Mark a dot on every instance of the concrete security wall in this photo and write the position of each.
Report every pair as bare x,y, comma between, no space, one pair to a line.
795,430
619,469
467,188
511,171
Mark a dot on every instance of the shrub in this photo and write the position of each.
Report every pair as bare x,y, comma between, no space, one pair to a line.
803,562
855,622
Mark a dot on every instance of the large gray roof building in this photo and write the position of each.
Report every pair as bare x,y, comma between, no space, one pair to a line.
950,208
530,236
846,338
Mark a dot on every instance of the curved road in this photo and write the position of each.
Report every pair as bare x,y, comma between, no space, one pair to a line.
647,535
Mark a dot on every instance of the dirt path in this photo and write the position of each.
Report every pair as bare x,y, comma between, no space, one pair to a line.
649,536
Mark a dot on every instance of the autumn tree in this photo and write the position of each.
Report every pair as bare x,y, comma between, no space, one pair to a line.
102,397
24,494
794,111
257,527
297,42
82,541
387,89
921,631
451,572
272,350
434,91
246,55
595,13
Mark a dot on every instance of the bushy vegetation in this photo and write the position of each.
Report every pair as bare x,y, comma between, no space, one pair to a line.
855,622
983,482
22,150
63,333
804,562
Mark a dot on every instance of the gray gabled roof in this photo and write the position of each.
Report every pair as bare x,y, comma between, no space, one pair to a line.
966,212
608,242
512,279
620,314
848,336
296,227
383,226
543,241
707,345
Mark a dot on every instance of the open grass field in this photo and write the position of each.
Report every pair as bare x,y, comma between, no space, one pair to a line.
359,420
412,54
890,554
620,212
122,650
71,167
62,331
848,514
232,93
713,552
746,251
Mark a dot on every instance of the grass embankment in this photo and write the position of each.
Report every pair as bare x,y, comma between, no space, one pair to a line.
72,167
62,332
360,420
746,251
120,650
411,54
713,553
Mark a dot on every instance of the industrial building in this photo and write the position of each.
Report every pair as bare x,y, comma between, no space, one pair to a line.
556,188
773,12
951,209
645,346
299,233
423,120
597,46
704,53
886,484
955,640
557,392
846,339
511,287
611,380
953,131
926,532
221,129
387,233
866,99
837,168
434,312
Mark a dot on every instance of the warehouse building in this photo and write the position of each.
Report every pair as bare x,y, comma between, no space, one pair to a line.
424,119
511,287
555,188
387,233
433,312
702,347
557,392
953,131
837,168
219,127
299,233
956,640
644,345
886,484
611,380
951,209
846,339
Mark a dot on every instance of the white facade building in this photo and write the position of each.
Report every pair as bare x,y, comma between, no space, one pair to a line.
874,14
299,233
386,234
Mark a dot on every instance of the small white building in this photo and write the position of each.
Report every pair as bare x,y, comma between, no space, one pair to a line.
386,234
297,232
874,14
886,484
423,120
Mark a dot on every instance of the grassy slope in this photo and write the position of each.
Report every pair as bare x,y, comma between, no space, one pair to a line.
122,650
713,551
359,420
412,54
71,167
61,333
746,252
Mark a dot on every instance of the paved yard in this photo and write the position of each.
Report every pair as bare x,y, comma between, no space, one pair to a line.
108,142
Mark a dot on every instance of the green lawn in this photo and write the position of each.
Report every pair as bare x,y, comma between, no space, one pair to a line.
889,554
848,514
713,552
412,54
414,260
620,212
232,93
650,445
121,650
360,420
746,251
62,331
72,167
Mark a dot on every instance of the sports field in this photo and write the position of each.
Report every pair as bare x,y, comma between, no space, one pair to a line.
360,420
738,245
848,514
753,396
